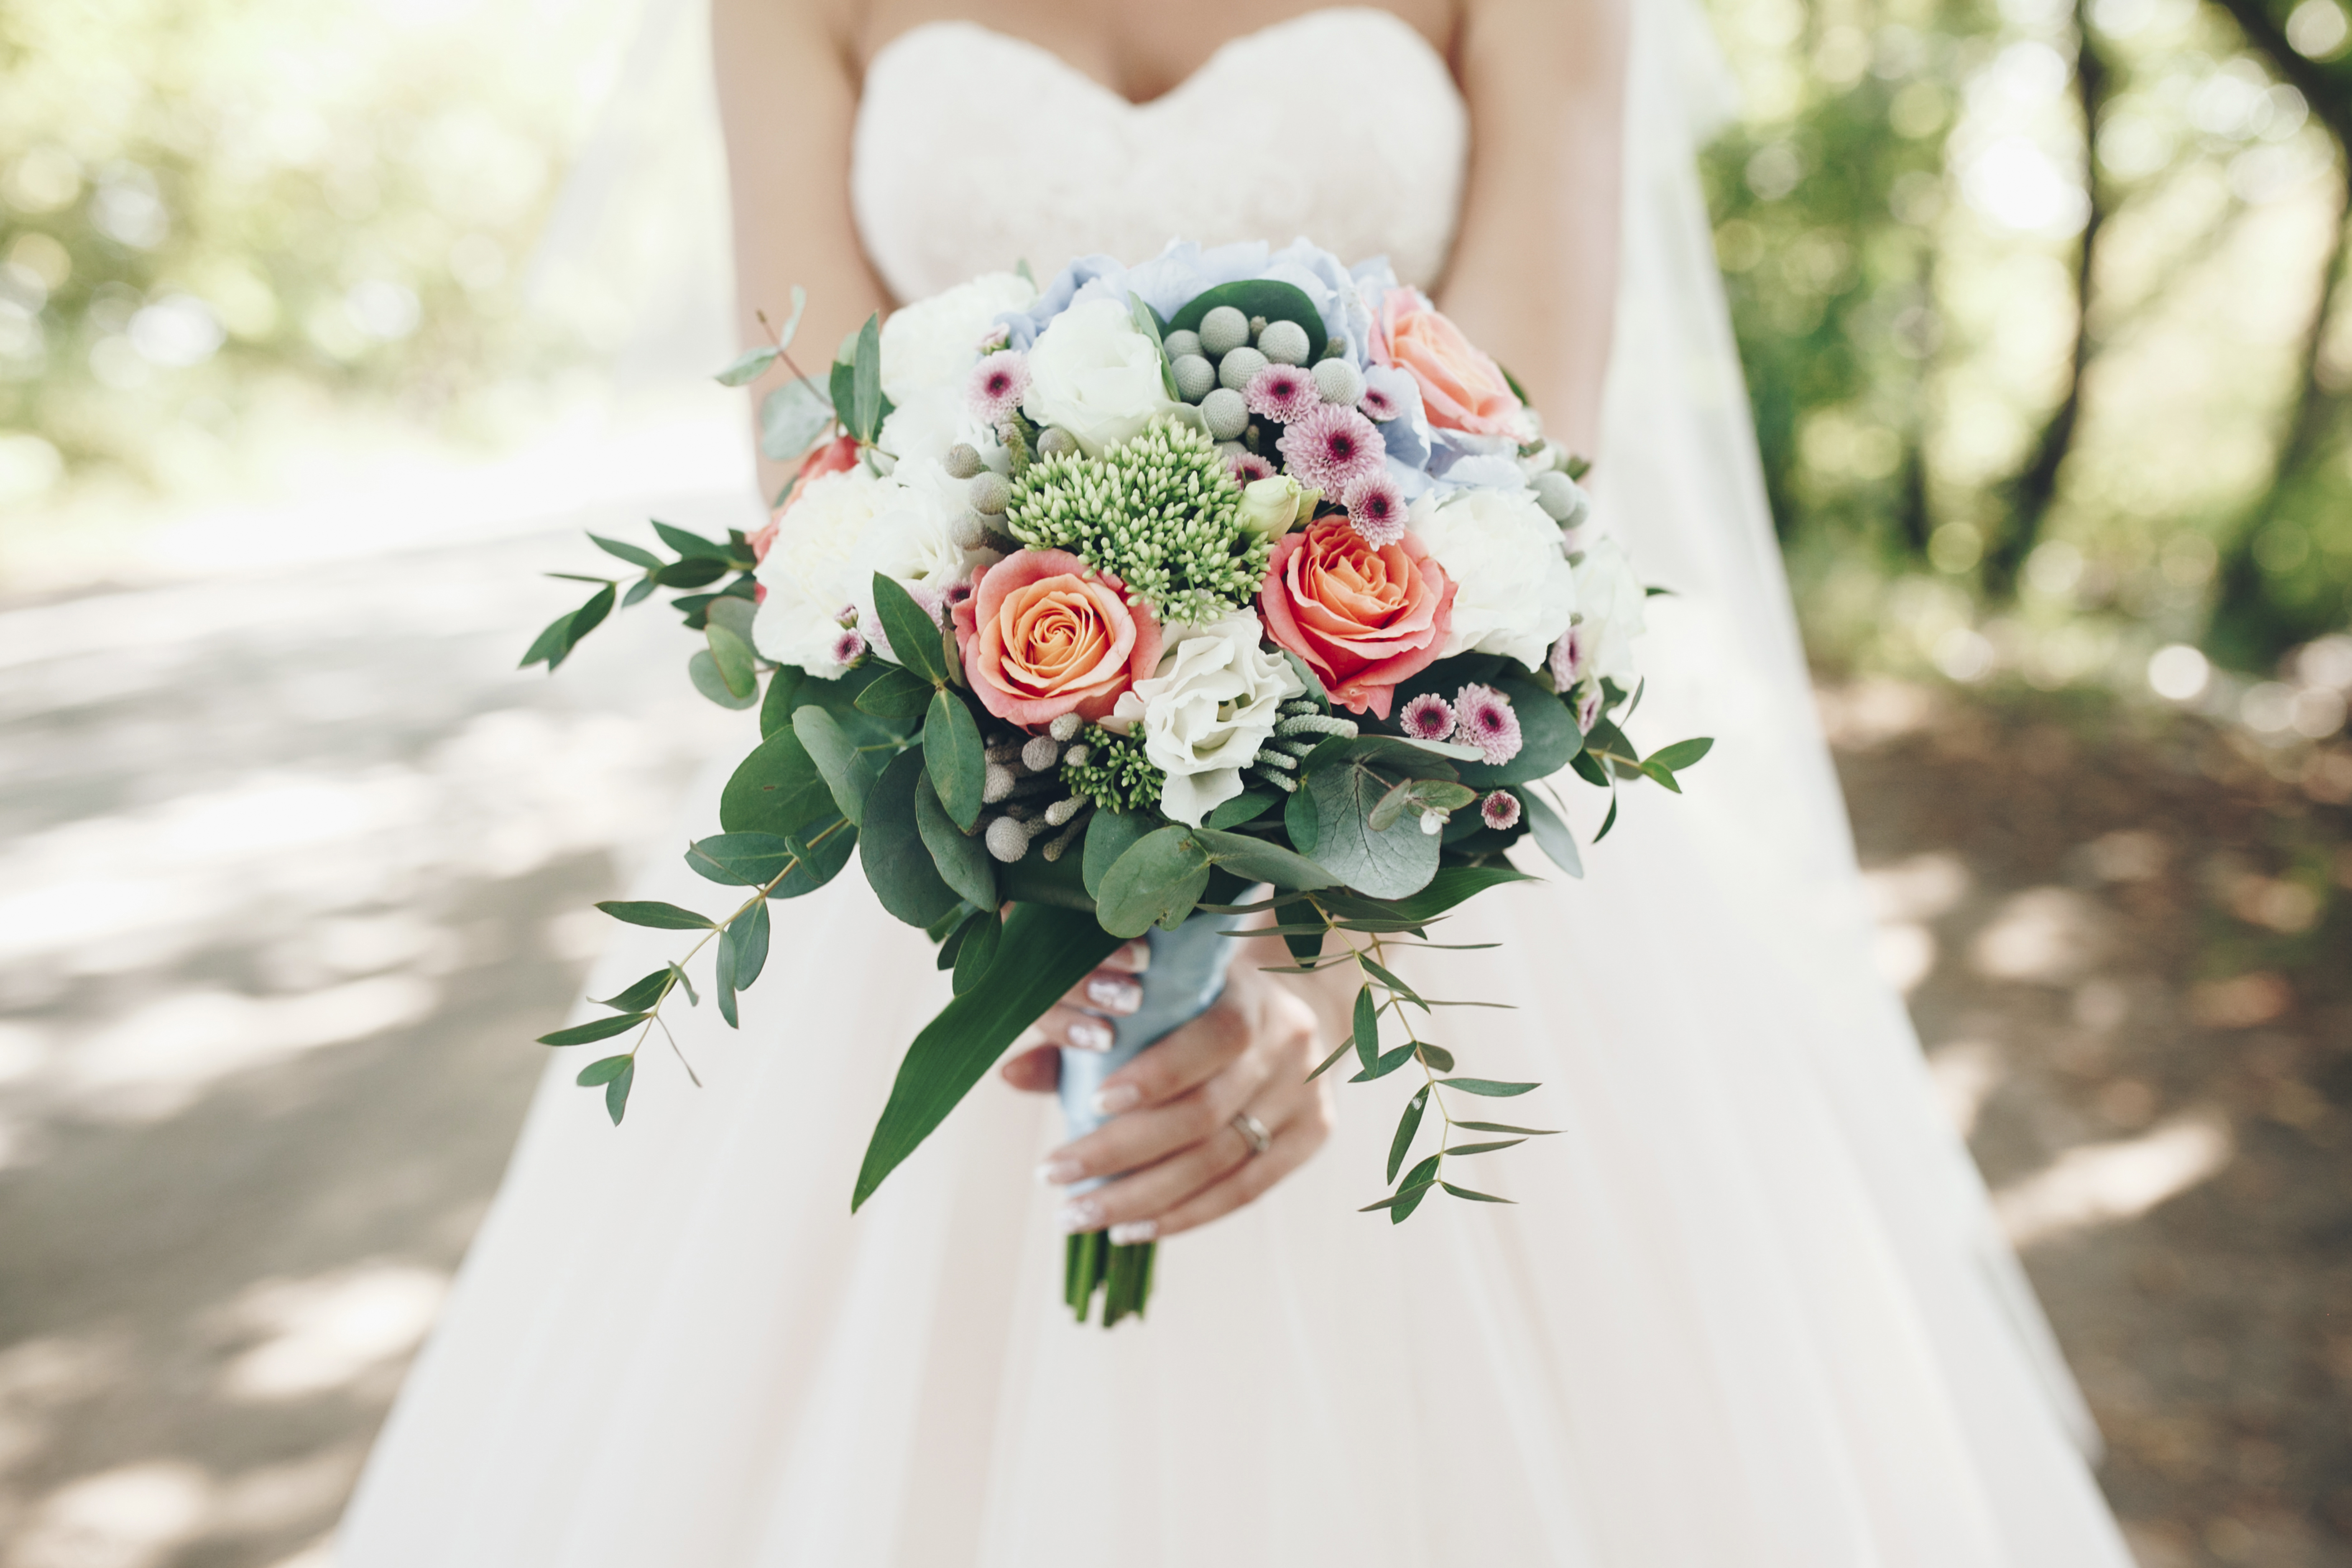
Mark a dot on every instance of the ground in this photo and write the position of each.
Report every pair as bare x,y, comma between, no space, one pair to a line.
292,867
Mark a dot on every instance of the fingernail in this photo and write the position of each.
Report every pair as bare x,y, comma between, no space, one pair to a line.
1117,1098
1139,955
1080,1213
1060,1173
1113,994
1089,1036
1133,1231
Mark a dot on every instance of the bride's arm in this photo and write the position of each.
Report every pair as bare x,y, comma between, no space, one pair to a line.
787,99
1534,275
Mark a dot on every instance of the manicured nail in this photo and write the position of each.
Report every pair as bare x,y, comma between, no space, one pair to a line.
1117,1098
1079,1214
1060,1173
1133,1231
1113,993
1139,955
1089,1036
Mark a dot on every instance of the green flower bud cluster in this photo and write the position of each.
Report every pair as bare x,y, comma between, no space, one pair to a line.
1161,513
1111,771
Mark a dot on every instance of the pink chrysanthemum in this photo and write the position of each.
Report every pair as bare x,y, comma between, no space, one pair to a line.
998,384
849,647
1376,509
1281,393
1427,716
1483,718
1377,405
995,338
1247,468
1566,655
1330,449
1500,810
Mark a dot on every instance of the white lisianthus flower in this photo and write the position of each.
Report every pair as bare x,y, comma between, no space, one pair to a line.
1615,610
1091,372
1213,702
1514,590
911,539
810,572
936,341
921,428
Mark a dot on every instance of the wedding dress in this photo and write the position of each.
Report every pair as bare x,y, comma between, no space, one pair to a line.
1750,1310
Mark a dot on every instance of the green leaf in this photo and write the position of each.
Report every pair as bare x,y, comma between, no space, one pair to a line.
1464,1149
1406,1201
785,696
1549,738
604,1069
641,996
823,851
1246,806
692,545
1260,861
913,636
954,756
748,933
1333,1059
740,859
736,663
734,613
635,555
708,679
1302,822
791,329
1388,1062
1367,1030
1451,886
1437,1057
953,941
845,771
1155,882
600,1030
1662,774
1680,754
1034,880
1378,864
551,645
616,1091
895,693
1058,948
1609,821
1475,1197
659,916
777,789
1109,835
749,368
1304,946
722,977
793,417
1589,769
979,951
1501,1126
1275,301
1488,1087
686,985
1407,1125
963,861
1550,833
690,573
590,616
866,381
1148,323
1389,979
897,863
638,592
1415,797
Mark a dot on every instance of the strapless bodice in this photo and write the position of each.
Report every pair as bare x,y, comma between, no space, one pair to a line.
975,150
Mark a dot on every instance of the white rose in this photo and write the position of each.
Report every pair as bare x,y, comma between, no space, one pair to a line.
934,341
1514,592
1212,703
922,428
810,570
1613,606
1091,372
910,539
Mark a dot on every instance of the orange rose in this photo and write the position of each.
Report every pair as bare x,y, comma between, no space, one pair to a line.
1042,636
1461,387
1364,618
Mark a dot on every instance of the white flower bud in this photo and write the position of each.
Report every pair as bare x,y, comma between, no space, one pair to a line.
1076,755
1563,499
1285,343
996,784
990,494
1061,811
1222,331
962,460
1432,823
1225,414
1236,368
1041,753
1179,343
1066,727
1338,382
1056,442
1008,840
1195,378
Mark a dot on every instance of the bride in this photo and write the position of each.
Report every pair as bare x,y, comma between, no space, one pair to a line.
1751,1308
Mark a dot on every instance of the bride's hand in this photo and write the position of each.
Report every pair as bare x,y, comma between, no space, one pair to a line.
1176,1107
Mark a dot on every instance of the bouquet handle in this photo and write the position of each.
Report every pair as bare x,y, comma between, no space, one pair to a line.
1186,976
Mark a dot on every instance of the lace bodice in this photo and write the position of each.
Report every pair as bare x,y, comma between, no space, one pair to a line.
975,150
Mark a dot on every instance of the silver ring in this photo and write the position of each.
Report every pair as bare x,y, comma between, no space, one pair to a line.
1253,1132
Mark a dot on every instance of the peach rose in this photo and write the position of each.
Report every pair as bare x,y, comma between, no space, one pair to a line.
834,457
1461,387
1364,619
1042,636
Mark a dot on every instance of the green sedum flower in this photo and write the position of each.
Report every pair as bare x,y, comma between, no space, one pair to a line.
1115,776
1161,513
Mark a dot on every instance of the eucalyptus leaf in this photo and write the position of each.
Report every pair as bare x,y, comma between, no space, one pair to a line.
845,771
1368,1029
979,950
1680,754
693,573
957,762
963,861
748,368
822,851
1155,882
895,693
1260,861
711,681
1475,1197
913,635
1407,1126
604,1069
866,381
659,915
635,554
1146,322
1551,834
898,863
777,789
1415,797
616,1091
1302,822
793,417
1488,1087
748,933
1437,1057
1501,1126
1378,864
741,860
1463,1149
1387,1063
1246,806
639,591
732,612
551,645
691,545
722,977
1109,835
643,994
953,941
1452,885
738,667
598,1030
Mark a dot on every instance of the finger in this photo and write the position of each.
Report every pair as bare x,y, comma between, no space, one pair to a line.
1143,1138
1035,1072
1154,1190
1291,1147
1132,958
1064,1025
1184,1060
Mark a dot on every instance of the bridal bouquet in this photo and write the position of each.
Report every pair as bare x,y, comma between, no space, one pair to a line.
1095,607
